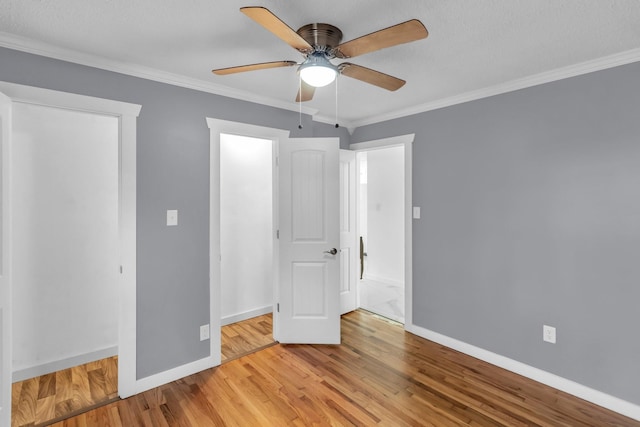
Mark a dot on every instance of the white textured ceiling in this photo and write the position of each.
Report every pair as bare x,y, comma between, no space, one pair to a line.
472,44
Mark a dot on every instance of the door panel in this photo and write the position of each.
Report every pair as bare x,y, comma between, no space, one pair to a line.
308,291
5,264
348,243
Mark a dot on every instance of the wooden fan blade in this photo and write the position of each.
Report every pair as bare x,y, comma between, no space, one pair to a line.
305,93
271,22
253,67
370,76
398,34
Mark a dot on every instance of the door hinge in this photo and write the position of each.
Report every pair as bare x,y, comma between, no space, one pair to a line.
120,269
277,161
278,307
277,234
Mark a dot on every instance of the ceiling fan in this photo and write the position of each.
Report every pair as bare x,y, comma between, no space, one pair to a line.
320,43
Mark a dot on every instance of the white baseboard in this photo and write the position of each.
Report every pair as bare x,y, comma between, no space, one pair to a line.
239,317
594,396
174,374
383,280
59,365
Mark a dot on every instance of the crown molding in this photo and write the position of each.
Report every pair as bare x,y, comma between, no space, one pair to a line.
586,67
332,121
24,44
12,41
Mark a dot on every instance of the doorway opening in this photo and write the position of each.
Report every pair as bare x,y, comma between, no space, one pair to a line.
65,251
246,244
306,187
381,231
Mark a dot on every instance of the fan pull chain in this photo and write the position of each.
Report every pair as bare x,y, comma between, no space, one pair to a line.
300,101
337,78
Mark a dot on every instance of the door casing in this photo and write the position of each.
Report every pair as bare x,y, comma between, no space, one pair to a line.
6,333
217,127
127,115
349,244
407,142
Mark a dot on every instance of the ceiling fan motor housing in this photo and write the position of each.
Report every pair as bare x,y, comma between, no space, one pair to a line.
323,37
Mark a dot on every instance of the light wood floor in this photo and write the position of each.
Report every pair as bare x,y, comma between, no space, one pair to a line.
380,375
57,396
248,336
40,400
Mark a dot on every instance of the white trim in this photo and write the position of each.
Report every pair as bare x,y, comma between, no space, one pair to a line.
594,396
70,101
408,230
39,48
23,44
383,143
59,365
127,115
383,280
174,374
249,314
332,121
127,353
216,127
6,331
407,142
610,61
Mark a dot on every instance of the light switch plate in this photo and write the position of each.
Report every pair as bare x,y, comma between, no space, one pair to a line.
416,212
172,217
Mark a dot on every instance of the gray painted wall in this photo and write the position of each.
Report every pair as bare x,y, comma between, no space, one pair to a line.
173,173
531,208
530,216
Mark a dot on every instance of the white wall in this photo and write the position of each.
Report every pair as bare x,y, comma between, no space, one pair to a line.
65,260
246,226
385,215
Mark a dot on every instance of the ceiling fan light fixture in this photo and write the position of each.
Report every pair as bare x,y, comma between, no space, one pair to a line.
317,70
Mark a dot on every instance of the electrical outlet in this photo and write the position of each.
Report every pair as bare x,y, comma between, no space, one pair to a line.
549,334
204,332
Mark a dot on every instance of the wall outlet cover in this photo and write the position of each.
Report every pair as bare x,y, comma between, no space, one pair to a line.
549,334
204,332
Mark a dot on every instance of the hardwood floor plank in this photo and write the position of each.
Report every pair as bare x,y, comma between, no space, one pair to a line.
45,409
81,390
24,412
110,370
64,386
97,385
46,385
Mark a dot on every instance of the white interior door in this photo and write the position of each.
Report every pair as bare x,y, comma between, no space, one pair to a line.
348,236
308,299
5,263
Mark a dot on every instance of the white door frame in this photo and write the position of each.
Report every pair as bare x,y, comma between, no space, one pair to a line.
5,273
127,115
349,243
407,142
217,127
